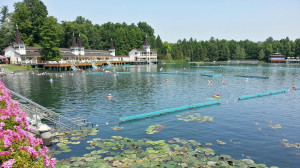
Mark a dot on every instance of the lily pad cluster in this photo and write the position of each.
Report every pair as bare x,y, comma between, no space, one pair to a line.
127,152
152,129
64,139
289,145
187,117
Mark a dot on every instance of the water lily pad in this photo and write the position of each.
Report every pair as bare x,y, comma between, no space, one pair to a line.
152,129
195,117
276,126
220,142
289,145
116,128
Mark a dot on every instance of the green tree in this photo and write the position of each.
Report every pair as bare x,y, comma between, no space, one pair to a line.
239,53
30,16
261,55
146,28
3,14
49,35
297,47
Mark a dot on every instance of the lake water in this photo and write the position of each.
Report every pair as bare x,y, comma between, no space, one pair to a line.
244,125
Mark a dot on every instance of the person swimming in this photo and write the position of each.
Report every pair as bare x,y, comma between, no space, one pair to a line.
109,96
217,96
210,81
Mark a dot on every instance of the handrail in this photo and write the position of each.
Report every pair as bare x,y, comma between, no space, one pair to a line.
78,122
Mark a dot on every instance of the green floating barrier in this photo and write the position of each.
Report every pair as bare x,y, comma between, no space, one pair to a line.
160,112
94,73
212,75
247,76
297,88
111,67
261,94
165,73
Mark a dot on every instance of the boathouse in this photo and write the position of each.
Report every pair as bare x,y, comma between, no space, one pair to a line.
277,58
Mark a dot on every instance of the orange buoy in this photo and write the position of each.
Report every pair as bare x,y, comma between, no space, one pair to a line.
294,88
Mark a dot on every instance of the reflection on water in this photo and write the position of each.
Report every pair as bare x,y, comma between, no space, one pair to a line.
137,92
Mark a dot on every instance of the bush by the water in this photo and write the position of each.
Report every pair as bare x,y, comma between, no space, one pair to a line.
17,147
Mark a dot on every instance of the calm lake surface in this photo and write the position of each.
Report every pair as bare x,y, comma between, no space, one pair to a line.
244,125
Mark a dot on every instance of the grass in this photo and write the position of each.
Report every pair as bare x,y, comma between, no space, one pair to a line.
11,68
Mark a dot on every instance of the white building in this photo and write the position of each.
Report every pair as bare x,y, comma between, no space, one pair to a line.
144,55
18,53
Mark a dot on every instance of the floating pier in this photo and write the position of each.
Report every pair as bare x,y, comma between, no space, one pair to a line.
261,94
161,112
247,76
212,75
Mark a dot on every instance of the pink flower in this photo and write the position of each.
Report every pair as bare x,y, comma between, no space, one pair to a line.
2,124
8,164
18,119
30,150
7,152
52,162
6,141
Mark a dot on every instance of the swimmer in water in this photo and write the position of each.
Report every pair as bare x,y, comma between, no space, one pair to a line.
109,96
210,82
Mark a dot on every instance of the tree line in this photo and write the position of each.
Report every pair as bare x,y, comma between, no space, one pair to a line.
39,29
223,50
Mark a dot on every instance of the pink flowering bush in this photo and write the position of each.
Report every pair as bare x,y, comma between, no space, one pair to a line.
17,147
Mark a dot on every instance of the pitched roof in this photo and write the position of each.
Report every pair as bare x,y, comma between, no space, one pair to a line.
18,37
96,54
74,41
32,48
89,50
32,54
146,43
64,49
112,47
79,42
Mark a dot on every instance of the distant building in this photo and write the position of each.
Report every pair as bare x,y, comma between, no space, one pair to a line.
277,58
143,55
18,53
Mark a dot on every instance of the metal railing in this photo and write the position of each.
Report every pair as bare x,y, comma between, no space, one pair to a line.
59,121
74,67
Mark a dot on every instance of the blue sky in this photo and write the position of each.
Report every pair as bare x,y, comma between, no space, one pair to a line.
255,20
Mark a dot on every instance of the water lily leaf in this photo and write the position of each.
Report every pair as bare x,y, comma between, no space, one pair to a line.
208,143
276,126
116,128
220,142
152,129
195,117
75,143
117,137
108,158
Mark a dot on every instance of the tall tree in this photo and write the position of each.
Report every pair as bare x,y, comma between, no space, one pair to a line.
30,16
261,55
4,14
297,47
49,35
239,53
146,28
